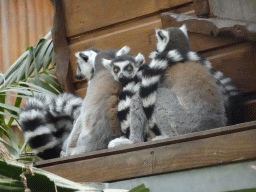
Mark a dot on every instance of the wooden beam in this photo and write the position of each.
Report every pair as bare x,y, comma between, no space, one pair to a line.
84,16
61,47
212,147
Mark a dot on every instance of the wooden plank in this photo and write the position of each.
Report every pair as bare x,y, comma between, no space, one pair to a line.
240,10
140,38
237,62
83,16
201,7
211,147
202,43
249,110
61,48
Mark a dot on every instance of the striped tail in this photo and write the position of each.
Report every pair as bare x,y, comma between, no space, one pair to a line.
37,130
130,88
227,87
46,122
231,95
65,105
151,77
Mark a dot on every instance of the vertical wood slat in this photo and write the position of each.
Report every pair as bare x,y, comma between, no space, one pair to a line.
22,23
60,42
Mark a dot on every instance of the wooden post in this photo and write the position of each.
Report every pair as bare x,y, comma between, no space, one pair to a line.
60,43
202,8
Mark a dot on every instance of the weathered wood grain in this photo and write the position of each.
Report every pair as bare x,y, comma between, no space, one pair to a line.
61,48
83,16
201,7
212,147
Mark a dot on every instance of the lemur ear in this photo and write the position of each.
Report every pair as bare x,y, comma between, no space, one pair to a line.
123,51
162,35
152,55
106,63
183,28
83,56
77,55
140,60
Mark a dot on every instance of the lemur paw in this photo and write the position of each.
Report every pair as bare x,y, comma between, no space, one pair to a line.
63,154
160,137
119,142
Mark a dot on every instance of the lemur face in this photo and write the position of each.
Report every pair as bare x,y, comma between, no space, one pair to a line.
172,38
121,70
124,66
85,63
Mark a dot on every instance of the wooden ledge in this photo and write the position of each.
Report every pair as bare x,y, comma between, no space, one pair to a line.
207,148
211,26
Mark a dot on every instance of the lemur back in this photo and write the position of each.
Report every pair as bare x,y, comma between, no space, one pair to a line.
172,48
47,121
98,123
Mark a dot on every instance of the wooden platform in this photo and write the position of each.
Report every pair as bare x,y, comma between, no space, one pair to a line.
212,147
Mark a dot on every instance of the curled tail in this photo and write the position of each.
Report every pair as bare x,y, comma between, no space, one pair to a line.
37,130
46,126
130,88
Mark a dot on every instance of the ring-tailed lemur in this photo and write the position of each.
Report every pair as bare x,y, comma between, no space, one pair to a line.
98,123
126,69
47,121
173,48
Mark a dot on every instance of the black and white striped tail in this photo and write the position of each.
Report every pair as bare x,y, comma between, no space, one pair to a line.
65,105
46,126
151,78
37,131
130,88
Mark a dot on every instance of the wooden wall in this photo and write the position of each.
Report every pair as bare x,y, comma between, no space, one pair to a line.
22,23
111,24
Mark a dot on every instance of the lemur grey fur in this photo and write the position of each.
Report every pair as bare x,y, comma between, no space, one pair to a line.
47,121
181,89
172,48
126,69
98,123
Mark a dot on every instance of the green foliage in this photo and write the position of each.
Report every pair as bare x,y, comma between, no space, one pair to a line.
33,72
140,188
41,180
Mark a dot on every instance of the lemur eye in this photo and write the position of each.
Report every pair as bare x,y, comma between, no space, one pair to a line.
116,69
129,68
